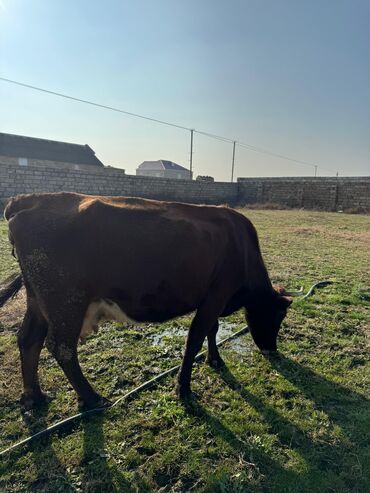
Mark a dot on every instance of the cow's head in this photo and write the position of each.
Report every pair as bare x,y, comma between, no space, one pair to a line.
265,315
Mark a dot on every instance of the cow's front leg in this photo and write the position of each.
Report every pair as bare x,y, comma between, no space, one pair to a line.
62,343
30,339
202,323
213,357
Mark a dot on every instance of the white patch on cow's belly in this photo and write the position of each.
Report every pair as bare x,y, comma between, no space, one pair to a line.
101,310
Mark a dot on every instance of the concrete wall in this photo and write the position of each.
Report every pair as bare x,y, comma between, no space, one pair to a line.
317,193
110,181
311,193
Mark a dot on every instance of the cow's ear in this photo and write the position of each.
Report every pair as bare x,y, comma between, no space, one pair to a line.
279,289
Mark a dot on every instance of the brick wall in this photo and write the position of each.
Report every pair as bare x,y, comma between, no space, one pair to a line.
310,193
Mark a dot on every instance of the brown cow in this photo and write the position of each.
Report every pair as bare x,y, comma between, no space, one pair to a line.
84,258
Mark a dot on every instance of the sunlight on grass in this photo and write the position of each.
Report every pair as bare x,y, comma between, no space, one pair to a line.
295,423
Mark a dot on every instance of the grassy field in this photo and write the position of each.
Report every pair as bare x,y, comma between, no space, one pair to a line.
297,423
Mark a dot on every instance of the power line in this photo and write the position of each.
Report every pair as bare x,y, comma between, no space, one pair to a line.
287,158
214,136
260,150
163,122
92,103
274,154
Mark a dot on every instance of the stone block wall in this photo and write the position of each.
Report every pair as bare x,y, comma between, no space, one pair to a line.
317,193
111,181
329,194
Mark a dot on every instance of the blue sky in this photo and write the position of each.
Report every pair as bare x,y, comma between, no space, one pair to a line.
291,76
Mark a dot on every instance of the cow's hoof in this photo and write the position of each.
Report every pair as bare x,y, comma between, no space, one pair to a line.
190,403
216,363
97,403
182,392
186,396
33,400
269,353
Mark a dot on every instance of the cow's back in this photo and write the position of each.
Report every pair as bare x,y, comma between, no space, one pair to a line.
144,252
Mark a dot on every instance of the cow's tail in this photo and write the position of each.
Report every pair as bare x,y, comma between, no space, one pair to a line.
10,289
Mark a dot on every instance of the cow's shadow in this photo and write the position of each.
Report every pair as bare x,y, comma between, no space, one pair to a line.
252,458
99,473
42,453
94,473
331,398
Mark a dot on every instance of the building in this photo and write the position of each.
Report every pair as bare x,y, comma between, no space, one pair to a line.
163,169
29,151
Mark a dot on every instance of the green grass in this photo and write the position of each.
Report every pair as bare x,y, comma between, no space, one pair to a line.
298,423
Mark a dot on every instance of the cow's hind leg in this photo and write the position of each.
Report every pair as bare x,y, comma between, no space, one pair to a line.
62,342
88,398
204,320
31,338
213,357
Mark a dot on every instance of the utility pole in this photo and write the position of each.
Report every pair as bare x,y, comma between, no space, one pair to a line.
315,170
191,153
233,162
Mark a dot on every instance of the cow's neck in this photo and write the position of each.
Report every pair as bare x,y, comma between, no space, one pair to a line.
259,282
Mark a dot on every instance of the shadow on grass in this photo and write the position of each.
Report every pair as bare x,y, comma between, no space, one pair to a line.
254,459
93,474
334,399
51,473
97,474
332,465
